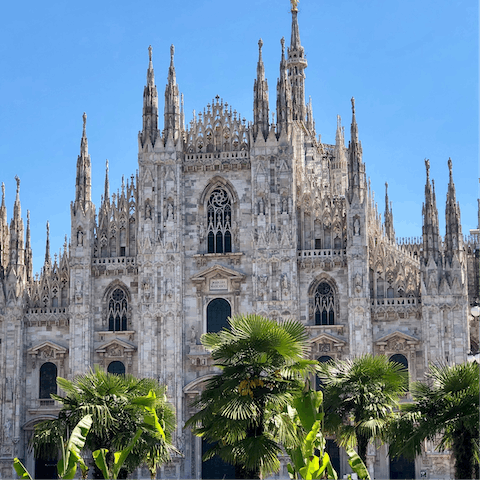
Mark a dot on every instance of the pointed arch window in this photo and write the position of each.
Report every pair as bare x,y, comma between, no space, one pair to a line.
117,310
219,219
324,304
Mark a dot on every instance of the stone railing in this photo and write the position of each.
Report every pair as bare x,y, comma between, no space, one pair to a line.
401,301
329,252
114,261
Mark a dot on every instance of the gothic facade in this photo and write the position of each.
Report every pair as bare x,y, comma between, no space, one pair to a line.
228,217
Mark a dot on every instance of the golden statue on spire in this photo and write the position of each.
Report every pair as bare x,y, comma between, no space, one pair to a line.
294,5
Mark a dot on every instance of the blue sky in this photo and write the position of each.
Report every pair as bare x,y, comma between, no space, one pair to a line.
411,65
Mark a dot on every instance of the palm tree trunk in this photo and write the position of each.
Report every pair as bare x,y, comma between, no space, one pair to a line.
362,443
462,448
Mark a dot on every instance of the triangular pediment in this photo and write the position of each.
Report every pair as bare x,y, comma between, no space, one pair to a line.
48,350
218,271
115,348
327,338
397,336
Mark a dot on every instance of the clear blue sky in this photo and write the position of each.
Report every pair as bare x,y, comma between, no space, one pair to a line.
412,66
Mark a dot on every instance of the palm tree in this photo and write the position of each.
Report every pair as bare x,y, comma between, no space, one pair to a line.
110,400
446,405
359,398
242,408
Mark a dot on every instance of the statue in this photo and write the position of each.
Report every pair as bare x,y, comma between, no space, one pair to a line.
294,5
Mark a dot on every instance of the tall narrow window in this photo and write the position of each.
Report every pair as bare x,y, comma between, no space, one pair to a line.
402,360
219,218
48,380
117,311
324,305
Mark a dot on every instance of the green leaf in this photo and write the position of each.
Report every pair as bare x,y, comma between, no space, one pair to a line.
310,440
357,464
21,471
101,462
307,405
309,471
121,456
71,452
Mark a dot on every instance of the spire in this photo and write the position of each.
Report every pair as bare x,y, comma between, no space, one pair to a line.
106,195
48,260
354,126
389,231
260,101
172,102
28,251
4,234
16,231
284,99
83,183
356,167
430,228
296,65
339,137
150,106
453,232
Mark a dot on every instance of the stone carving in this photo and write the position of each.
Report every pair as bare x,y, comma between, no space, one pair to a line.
78,290
114,351
356,226
148,210
80,238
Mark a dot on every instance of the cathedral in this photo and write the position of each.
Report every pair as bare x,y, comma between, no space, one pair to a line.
227,216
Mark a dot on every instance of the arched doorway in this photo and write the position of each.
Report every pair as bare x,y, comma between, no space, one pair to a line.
401,467
218,310
46,467
215,467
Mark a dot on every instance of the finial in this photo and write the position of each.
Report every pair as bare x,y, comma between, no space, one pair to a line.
172,51
260,45
282,41
28,217
3,193
386,187
427,166
18,183
294,5
48,228
149,53
353,105
84,116
450,166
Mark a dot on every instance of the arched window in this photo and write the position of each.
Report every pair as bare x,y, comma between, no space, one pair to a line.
402,360
318,381
117,368
219,220
218,311
48,380
324,305
117,310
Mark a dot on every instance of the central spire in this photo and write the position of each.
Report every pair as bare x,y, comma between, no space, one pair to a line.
260,101
296,65
83,184
172,102
150,106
